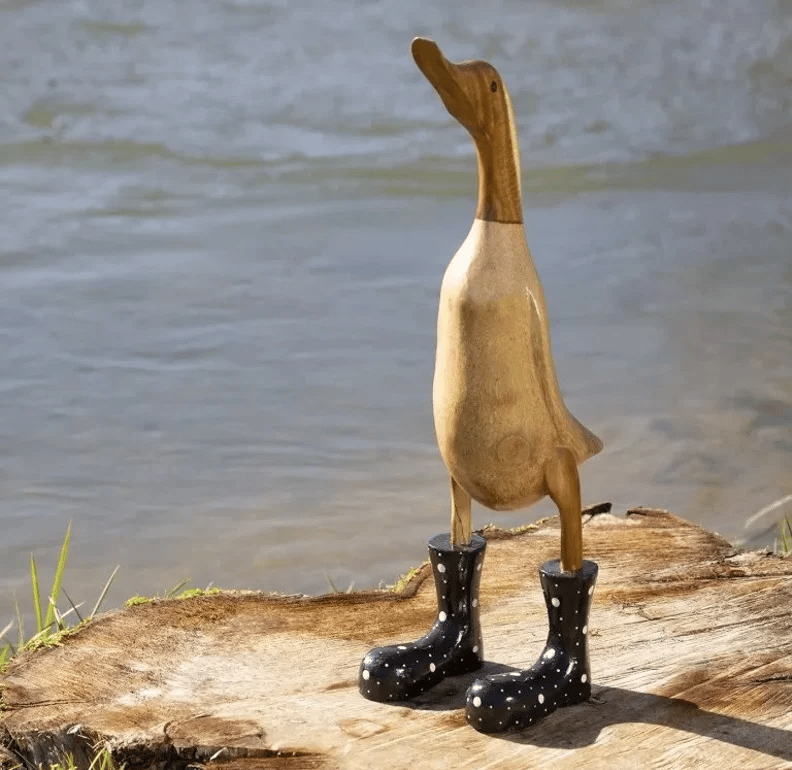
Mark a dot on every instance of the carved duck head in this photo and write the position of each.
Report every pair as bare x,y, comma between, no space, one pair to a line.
474,93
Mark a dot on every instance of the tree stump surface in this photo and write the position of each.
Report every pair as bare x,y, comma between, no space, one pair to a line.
691,657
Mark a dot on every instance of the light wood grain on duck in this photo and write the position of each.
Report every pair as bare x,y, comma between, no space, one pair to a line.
502,427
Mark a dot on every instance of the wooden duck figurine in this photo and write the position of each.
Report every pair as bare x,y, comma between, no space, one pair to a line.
502,427
503,431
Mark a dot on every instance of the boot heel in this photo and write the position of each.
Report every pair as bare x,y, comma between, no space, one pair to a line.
465,663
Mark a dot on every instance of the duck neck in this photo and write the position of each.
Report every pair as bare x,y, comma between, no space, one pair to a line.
500,194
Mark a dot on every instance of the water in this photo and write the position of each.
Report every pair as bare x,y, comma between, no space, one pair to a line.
223,227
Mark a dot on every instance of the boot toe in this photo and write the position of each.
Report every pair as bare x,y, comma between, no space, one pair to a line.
486,708
499,702
397,672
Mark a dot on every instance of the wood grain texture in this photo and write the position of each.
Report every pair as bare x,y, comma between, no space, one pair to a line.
474,93
691,646
498,410
499,415
563,485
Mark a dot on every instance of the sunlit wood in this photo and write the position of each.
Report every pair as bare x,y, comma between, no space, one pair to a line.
691,643
502,427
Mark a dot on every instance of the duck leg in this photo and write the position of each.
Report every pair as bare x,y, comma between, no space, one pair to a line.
563,484
460,514
561,676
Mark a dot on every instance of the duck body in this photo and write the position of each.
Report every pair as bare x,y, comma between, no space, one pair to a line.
498,411
502,427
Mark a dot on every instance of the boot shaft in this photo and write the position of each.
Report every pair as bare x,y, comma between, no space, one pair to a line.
457,576
568,597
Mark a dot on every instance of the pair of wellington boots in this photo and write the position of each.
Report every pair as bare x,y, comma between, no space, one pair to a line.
560,677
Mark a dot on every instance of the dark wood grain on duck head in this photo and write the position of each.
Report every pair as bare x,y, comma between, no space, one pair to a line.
474,93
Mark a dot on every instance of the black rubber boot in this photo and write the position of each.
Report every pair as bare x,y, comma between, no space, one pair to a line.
561,676
453,646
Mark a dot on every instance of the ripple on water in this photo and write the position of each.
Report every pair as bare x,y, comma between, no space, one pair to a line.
224,232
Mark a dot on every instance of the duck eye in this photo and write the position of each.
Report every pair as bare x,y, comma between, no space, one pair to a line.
494,86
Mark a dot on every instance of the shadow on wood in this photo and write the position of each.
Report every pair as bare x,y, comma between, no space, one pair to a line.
691,646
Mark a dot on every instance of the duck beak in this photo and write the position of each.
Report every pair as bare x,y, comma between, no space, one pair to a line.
442,74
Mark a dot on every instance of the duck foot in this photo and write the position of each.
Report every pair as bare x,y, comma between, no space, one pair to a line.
452,646
561,676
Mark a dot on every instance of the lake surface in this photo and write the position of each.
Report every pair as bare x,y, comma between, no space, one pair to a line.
223,227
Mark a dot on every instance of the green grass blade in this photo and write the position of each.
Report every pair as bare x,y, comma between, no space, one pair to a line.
104,592
58,580
34,583
785,547
175,590
20,624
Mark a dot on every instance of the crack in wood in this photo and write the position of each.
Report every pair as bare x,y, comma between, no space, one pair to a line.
252,682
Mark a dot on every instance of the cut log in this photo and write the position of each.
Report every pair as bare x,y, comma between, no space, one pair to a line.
691,649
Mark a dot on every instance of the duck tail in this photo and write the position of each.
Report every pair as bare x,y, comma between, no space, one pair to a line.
570,432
